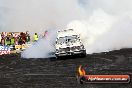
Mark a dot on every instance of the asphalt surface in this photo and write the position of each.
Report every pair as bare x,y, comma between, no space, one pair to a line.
16,72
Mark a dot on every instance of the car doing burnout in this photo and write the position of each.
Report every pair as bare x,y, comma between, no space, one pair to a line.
68,43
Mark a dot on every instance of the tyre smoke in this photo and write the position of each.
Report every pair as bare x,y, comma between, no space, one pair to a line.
43,48
103,25
107,27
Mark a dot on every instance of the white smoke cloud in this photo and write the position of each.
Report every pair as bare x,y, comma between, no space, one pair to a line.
104,25
107,27
90,30
43,48
33,15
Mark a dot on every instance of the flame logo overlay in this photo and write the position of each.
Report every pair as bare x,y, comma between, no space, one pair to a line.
83,78
81,71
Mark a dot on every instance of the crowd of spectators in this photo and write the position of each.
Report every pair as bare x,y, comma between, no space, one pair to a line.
14,38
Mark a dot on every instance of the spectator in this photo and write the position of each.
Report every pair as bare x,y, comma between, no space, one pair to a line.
27,37
8,41
0,38
35,37
22,38
2,35
12,40
45,34
2,41
16,37
19,40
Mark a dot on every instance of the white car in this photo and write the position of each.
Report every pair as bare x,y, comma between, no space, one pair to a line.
69,43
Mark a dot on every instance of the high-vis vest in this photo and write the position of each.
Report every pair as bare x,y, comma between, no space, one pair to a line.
35,37
12,41
8,42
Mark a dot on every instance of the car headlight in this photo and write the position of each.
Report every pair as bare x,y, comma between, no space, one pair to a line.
60,50
75,48
82,46
57,50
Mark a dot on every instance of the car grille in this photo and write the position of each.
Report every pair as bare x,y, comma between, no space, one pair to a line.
64,49
75,48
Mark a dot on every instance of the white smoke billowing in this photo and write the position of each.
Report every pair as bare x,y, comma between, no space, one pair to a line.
42,48
33,15
103,25
90,30
108,26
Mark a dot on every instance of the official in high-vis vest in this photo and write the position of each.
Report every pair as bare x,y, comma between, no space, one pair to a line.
8,41
12,41
35,37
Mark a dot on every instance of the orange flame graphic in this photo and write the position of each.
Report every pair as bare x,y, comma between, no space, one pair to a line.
81,71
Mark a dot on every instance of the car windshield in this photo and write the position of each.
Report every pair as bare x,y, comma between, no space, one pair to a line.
61,40
67,39
72,38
